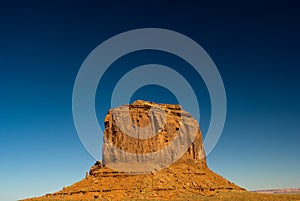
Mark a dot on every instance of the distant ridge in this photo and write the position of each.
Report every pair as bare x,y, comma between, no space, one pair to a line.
279,191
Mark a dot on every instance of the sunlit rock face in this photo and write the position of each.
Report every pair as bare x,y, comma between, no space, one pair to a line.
145,136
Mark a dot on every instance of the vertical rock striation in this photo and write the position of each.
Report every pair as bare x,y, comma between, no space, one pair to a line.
146,136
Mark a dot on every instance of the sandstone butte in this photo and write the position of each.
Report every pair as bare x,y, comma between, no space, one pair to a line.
187,176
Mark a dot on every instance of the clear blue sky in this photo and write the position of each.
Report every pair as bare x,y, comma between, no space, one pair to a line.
43,44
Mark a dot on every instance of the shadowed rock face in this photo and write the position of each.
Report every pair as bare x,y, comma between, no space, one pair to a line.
146,136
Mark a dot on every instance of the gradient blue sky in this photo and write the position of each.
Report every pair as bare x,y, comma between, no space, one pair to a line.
43,44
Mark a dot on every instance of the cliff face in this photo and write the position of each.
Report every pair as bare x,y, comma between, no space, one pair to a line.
146,136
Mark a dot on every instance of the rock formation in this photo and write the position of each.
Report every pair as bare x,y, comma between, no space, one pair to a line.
145,136
150,151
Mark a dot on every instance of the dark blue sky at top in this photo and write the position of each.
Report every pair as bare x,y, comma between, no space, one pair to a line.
255,46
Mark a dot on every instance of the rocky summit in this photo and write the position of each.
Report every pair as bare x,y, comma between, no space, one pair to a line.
150,152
